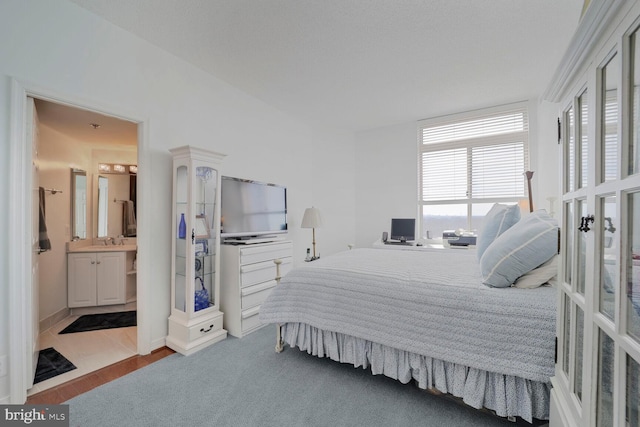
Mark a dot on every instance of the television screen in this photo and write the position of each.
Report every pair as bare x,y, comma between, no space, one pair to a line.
251,208
403,229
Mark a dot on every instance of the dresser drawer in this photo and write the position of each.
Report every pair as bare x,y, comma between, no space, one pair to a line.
262,272
207,327
251,319
265,253
256,294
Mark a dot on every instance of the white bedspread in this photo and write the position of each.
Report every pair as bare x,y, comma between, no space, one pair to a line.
428,302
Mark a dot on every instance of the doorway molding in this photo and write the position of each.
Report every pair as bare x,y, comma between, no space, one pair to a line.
19,249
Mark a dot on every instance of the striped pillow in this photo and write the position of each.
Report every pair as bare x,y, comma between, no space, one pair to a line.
523,247
498,220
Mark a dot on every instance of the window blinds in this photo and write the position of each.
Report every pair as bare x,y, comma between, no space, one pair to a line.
476,158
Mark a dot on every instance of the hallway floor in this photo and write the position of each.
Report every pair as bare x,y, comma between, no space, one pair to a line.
88,351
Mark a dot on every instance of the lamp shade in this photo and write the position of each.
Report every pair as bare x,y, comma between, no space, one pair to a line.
311,218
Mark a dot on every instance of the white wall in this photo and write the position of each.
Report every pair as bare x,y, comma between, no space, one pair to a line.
387,176
57,154
63,49
386,179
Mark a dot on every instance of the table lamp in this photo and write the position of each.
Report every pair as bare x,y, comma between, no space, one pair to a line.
313,220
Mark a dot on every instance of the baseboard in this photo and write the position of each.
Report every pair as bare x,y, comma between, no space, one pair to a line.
100,309
48,322
159,343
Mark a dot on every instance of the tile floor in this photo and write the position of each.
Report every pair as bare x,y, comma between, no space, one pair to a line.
88,351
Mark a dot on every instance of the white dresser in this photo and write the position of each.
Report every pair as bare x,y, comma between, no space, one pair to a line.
247,277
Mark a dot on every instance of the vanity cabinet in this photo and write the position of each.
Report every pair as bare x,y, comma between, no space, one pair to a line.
96,278
196,320
248,277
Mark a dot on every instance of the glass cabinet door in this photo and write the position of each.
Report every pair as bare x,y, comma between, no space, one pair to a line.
204,233
574,259
597,381
197,218
195,321
182,216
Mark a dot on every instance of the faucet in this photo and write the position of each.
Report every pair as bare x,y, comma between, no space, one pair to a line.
107,240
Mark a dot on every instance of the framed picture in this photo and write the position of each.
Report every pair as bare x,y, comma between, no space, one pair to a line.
202,227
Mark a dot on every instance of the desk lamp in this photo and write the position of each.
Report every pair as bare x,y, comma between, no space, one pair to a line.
313,220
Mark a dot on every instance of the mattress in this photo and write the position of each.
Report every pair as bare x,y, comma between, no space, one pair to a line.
429,303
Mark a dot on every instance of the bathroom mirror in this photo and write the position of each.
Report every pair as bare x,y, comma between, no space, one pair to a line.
116,205
78,204
103,205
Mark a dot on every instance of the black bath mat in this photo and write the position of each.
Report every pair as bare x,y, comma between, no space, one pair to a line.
94,322
51,364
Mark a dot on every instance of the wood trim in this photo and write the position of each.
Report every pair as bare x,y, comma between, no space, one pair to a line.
597,19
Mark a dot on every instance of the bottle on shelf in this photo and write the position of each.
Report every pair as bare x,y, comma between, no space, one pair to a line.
182,228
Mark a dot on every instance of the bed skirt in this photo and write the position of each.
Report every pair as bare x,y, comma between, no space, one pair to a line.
506,395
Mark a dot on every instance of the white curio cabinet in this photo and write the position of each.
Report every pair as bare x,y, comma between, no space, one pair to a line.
196,320
597,379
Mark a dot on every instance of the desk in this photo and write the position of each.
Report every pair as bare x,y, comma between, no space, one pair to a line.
426,245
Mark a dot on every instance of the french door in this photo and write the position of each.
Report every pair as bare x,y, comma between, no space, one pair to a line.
598,365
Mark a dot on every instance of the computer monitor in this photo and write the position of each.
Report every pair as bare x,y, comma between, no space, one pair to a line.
403,229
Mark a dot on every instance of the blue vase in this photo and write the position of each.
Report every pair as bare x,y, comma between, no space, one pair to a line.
182,229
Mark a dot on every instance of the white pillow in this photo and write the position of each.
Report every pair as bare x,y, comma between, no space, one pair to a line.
538,276
523,247
498,220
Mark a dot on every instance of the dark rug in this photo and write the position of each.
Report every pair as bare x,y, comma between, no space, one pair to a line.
94,322
51,364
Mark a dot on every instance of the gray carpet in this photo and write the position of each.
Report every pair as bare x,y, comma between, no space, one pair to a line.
243,382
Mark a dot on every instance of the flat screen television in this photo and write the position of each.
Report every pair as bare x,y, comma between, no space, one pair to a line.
251,208
403,229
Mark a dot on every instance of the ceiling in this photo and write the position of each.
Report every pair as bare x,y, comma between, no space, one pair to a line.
362,64
112,133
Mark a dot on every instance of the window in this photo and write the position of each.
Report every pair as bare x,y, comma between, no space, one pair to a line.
468,162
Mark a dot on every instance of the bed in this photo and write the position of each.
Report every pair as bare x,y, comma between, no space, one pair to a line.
426,315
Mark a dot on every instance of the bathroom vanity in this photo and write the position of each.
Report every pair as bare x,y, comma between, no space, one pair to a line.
99,275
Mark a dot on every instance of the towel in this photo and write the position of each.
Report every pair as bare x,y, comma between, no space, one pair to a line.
45,243
128,219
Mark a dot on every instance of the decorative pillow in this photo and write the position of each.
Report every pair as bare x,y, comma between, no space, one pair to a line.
523,247
498,220
538,276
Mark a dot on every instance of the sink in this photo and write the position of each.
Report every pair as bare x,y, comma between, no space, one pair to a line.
103,248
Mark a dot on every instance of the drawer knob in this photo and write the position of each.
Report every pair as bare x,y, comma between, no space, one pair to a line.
204,331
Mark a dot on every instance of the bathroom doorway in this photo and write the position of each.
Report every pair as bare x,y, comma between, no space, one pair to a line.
76,146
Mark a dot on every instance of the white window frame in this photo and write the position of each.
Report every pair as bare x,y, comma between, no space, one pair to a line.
469,143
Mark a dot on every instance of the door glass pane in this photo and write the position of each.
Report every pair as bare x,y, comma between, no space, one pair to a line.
633,267
608,257
567,334
582,250
609,166
604,416
577,369
568,241
570,162
634,146
633,392
583,169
